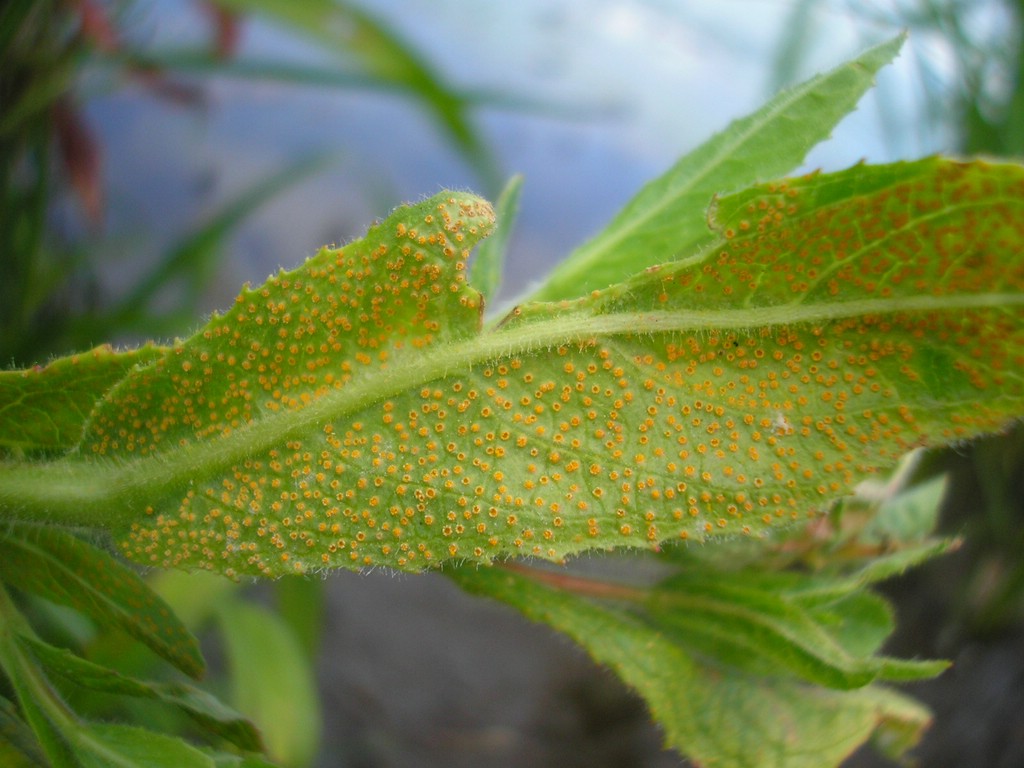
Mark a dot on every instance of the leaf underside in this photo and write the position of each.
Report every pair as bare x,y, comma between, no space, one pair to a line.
350,413
44,408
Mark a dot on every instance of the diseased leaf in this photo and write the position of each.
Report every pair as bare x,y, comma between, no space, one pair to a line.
714,714
215,716
784,343
50,562
358,322
665,220
44,408
351,413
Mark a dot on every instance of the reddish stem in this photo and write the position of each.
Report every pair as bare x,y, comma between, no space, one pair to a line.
579,585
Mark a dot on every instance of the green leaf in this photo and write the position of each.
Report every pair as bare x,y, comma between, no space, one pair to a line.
909,515
741,618
122,746
49,562
272,681
715,715
213,715
41,705
68,741
18,746
876,567
859,622
489,262
44,408
193,596
352,413
902,721
299,601
665,221
225,760
345,27
52,741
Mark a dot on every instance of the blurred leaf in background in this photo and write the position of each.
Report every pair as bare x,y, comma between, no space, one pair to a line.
49,295
966,58
38,59
382,54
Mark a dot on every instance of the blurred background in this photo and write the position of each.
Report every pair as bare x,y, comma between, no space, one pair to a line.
156,154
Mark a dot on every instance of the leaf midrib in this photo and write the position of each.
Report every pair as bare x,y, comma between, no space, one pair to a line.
577,329
82,489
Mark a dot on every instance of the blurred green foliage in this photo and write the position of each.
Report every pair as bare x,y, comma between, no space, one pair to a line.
39,56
